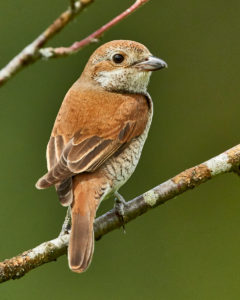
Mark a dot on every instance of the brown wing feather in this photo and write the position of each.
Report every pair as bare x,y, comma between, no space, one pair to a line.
64,191
92,136
54,150
86,156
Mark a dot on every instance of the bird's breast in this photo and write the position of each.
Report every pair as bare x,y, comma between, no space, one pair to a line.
119,168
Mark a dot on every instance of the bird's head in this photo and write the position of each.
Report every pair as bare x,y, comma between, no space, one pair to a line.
122,66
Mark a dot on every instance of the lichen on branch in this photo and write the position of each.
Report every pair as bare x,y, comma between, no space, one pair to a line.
228,161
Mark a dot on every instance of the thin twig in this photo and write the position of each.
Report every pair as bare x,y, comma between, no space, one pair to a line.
31,53
228,161
34,51
55,52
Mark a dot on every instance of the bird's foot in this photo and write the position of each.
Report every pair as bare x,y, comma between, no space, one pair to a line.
119,206
66,227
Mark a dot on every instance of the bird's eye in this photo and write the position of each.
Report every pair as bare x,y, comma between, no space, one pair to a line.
118,58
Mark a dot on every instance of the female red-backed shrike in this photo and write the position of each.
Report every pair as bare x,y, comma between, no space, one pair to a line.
98,136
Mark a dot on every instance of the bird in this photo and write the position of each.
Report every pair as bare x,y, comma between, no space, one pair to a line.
98,136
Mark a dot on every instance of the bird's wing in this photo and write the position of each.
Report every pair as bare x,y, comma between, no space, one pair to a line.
85,152
88,153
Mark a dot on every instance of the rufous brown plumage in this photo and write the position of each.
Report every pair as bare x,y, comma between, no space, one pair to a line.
98,136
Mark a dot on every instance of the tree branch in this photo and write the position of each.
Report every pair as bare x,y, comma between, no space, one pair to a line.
34,51
61,51
228,161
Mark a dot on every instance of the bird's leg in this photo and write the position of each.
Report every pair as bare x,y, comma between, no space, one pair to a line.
119,206
67,222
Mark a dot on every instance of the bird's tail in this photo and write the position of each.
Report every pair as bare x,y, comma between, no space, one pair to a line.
81,244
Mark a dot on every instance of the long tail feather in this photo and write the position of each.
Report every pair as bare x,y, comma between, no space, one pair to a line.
81,244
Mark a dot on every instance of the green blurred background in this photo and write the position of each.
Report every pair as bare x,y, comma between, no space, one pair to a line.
187,249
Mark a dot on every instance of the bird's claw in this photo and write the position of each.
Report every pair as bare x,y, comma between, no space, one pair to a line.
119,206
66,227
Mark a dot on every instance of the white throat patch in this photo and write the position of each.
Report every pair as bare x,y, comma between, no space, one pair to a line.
130,80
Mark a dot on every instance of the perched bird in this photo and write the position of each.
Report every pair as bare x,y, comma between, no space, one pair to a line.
98,136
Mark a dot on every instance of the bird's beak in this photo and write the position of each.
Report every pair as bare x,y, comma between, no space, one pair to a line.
152,63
